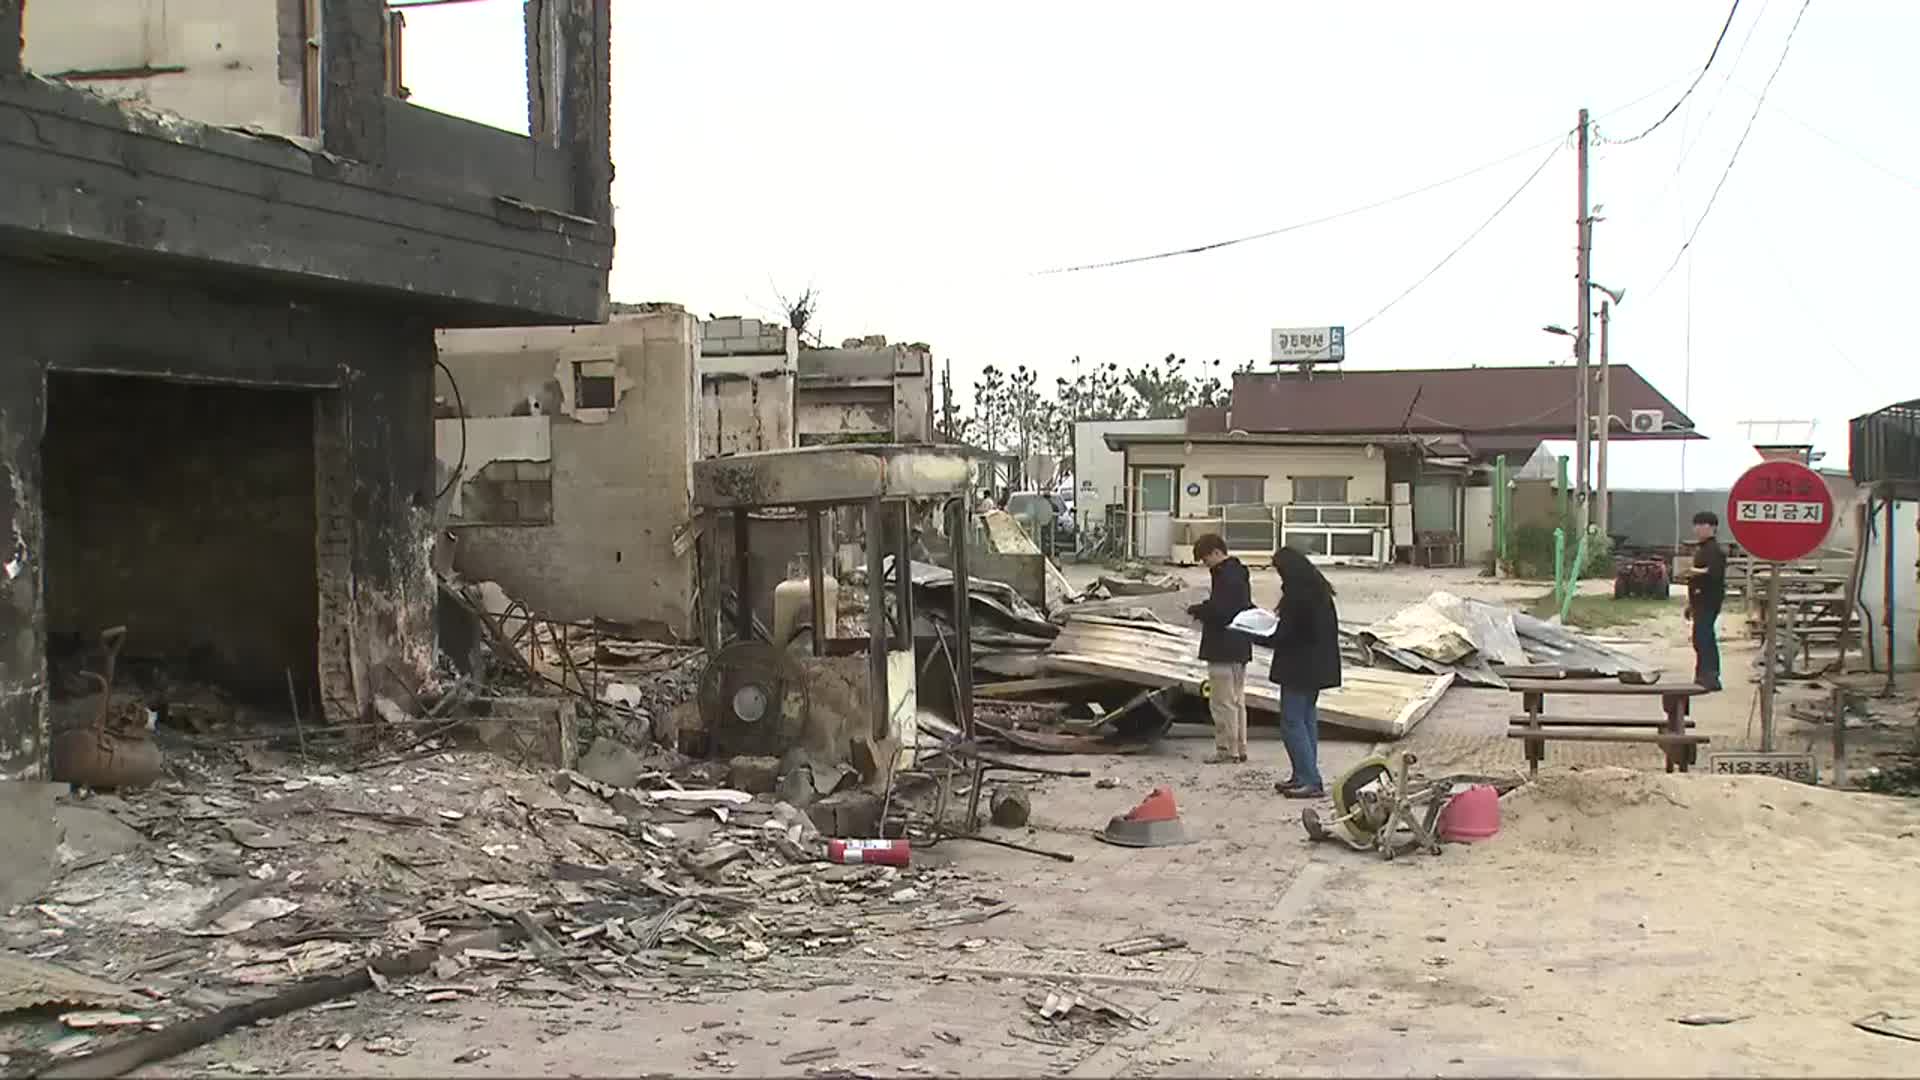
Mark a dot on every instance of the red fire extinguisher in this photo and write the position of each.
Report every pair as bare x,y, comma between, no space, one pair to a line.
875,852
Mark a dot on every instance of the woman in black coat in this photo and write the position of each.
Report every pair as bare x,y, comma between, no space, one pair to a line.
1306,660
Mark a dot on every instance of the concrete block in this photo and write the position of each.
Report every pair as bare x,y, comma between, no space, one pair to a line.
611,763
753,775
535,732
29,839
750,328
854,813
721,328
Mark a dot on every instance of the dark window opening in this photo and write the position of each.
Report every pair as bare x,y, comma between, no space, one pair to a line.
187,514
592,391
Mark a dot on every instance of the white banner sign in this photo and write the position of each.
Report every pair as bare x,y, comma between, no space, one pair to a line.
1804,513
1309,344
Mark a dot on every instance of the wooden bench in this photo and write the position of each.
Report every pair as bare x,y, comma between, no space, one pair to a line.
1670,732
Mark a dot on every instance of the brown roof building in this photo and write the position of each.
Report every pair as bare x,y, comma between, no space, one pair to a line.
1498,410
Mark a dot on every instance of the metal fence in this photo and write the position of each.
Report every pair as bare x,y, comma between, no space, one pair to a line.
1660,519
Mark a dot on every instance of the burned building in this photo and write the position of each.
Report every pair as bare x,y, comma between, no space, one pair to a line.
573,447
226,244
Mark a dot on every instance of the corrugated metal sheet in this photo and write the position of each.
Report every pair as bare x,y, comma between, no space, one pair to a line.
1376,701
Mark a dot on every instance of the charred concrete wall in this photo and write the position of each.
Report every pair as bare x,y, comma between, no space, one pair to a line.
613,409
747,386
215,61
187,514
865,389
369,374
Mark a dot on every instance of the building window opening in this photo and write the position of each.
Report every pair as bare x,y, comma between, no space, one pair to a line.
186,514
593,386
1320,489
1236,490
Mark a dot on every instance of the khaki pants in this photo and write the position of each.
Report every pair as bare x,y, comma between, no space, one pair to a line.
1227,702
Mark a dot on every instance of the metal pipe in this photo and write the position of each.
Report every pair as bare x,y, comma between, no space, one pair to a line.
743,597
962,613
817,584
876,621
1601,512
903,582
1886,617
1770,648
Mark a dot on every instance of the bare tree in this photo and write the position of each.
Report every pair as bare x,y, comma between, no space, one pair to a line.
802,311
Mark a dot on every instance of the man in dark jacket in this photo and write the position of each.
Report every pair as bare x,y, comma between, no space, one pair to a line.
1706,592
1225,651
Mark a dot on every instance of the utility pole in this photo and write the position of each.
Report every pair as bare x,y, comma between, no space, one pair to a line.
1580,340
1600,513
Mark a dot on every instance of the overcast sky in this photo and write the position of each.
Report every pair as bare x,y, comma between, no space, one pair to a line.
919,165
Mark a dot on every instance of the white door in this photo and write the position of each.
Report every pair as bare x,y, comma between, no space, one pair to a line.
1154,514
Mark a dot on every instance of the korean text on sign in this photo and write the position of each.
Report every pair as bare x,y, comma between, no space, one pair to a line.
1806,513
1801,771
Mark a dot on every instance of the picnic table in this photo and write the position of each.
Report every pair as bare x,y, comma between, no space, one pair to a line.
1669,732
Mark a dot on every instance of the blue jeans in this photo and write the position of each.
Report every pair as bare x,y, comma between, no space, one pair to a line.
1706,647
1300,730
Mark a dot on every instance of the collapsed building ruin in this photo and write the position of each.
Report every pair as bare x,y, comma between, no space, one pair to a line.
217,427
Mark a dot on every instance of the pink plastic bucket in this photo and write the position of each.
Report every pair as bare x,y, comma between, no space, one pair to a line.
1474,814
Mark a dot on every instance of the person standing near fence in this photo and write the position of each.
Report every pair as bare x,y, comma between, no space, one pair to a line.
1706,592
1225,651
1306,660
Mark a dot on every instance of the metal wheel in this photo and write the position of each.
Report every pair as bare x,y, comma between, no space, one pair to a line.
1310,820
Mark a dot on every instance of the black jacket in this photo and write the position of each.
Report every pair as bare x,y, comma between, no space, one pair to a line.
1232,594
1306,647
1707,590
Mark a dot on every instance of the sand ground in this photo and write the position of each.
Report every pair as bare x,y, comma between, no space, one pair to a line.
1615,901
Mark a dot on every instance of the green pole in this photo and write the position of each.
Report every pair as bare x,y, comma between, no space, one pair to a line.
1573,577
1500,522
1559,559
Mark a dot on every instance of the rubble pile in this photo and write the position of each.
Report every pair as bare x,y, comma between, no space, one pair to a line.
256,874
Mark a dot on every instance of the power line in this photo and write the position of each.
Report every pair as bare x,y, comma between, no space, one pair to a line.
1735,156
1298,225
1478,229
1675,107
1836,143
1688,146
1216,245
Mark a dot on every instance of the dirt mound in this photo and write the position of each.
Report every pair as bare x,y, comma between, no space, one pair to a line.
1613,808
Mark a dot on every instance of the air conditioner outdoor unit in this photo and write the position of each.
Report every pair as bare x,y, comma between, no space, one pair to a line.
1647,421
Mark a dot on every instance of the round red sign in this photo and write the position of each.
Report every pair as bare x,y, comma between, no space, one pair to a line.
1779,511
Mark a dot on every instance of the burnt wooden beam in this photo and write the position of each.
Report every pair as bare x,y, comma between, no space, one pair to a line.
353,78
13,36
586,107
